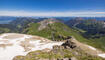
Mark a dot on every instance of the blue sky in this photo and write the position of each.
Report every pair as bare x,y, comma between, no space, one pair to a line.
52,7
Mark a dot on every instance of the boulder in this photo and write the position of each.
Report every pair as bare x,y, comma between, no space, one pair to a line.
69,44
73,58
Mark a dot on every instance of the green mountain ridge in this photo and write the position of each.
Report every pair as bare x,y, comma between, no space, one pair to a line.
55,31
58,31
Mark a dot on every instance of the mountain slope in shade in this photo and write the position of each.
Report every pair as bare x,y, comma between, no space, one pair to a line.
12,44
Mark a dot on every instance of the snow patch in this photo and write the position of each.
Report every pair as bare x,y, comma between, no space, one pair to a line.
41,46
102,55
15,49
92,48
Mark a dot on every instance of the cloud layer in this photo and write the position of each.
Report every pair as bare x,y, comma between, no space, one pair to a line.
64,14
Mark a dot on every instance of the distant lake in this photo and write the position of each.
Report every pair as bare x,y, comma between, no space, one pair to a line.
5,22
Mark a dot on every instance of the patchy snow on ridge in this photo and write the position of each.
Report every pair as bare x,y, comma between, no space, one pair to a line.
102,55
92,48
12,44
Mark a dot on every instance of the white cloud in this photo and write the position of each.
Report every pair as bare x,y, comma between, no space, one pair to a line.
78,14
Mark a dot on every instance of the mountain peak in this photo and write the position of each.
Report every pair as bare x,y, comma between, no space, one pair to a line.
46,22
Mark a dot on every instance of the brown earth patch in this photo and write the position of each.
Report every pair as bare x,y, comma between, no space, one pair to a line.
5,45
26,45
13,36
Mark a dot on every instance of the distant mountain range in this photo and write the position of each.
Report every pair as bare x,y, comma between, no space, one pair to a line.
7,19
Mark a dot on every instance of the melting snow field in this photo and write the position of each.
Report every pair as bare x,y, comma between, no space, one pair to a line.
12,44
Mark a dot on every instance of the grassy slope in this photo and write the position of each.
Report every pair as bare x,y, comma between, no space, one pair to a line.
60,53
4,30
62,29
58,28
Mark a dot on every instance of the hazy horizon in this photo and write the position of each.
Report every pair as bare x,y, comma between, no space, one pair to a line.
64,8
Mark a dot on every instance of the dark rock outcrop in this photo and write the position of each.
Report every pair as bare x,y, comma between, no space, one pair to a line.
72,58
69,44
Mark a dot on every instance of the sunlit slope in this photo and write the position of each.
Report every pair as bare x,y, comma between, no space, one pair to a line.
13,44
